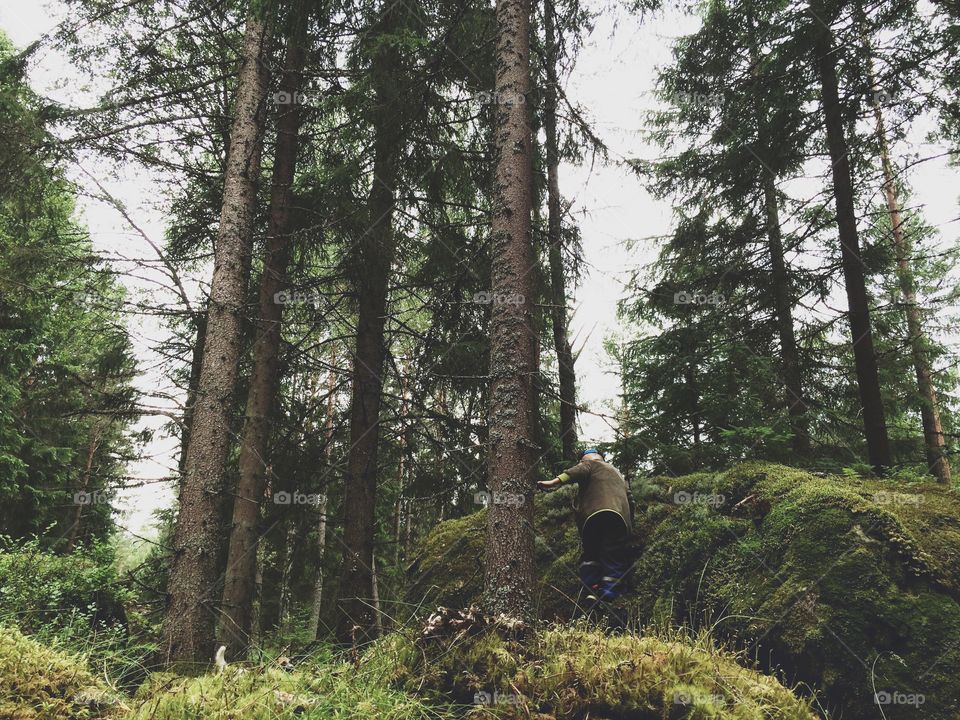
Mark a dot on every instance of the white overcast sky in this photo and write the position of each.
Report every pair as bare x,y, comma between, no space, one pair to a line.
613,80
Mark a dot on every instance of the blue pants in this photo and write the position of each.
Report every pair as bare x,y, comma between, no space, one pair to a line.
606,557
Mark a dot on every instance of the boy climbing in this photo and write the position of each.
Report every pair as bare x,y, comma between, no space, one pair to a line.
605,520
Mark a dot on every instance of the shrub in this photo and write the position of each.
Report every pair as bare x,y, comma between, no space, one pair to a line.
74,600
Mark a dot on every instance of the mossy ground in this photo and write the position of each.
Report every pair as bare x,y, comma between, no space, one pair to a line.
846,584
315,691
41,683
559,672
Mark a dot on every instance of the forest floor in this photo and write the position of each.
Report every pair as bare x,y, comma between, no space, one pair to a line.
477,672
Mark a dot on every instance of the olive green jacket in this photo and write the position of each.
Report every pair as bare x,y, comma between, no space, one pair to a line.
602,487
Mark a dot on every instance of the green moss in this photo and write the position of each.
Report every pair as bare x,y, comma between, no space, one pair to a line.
847,584
40,683
449,568
578,672
323,689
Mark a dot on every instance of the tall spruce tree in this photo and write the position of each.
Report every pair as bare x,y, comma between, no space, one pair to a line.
238,590
189,624
514,366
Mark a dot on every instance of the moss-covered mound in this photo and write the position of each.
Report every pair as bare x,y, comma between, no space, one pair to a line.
849,585
40,683
579,672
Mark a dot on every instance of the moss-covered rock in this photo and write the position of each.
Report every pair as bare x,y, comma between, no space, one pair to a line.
579,672
849,585
41,683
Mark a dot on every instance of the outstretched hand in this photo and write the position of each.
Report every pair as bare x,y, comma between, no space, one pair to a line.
548,484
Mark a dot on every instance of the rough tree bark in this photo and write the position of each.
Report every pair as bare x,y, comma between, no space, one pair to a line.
513,360
196,365
238,589
188,626
933,437
865,360
558,310
376,251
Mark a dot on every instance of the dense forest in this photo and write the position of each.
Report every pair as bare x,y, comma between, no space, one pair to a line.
358,329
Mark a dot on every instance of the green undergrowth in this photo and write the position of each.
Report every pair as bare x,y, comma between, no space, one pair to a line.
579,672
75,600
336,690
846,584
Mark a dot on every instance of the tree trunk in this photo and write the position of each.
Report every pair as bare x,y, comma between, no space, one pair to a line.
377,247
690,377
783,298
188,627
196,365
286,570
398,509
256,613
75,527
513,360
783,306
322,509
317,604
375,595
558,310
238,587
937,460
868,378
